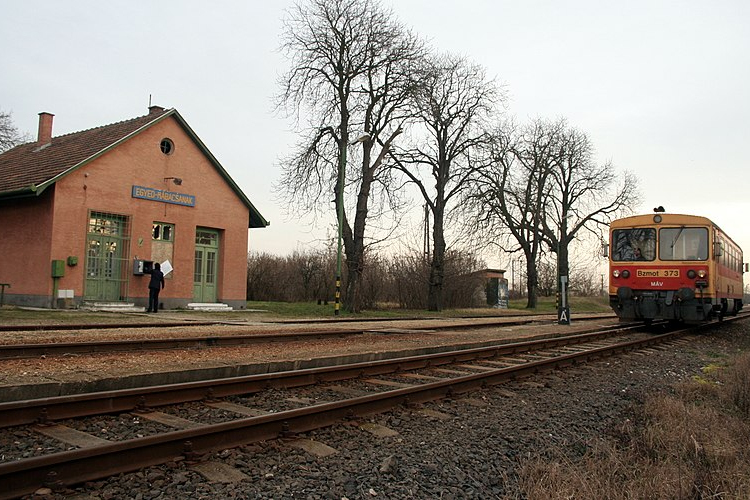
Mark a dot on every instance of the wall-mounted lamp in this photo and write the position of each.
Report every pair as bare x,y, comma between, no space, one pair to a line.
176,180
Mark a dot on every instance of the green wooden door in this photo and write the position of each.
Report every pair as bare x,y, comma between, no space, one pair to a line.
206,265
105,257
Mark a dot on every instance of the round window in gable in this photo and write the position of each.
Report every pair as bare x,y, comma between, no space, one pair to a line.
166,146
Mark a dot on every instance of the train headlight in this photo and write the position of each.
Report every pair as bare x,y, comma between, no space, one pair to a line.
702,273
626,274
691,274
616,273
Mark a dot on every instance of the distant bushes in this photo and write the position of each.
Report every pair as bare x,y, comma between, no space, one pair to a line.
300,277
394,281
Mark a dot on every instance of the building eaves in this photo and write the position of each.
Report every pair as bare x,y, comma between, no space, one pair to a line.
28,169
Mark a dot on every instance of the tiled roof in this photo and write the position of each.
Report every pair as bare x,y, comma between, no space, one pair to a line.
29,164
29,168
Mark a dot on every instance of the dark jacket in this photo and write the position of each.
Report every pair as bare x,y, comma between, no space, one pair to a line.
157,279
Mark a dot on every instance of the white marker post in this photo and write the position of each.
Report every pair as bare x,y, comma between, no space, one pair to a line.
563,312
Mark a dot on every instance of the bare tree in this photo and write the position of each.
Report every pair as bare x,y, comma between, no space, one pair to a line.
9,134
453,106
584,195
546,275
543,188
509,195
350,71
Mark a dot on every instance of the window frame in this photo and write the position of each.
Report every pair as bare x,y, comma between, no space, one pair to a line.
626,239
161,226
684,235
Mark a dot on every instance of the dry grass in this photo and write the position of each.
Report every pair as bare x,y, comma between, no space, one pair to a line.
691,445
738,384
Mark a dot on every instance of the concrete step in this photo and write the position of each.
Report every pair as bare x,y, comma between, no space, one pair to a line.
111,307
209,306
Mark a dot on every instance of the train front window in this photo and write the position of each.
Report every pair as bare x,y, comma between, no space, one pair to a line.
683,243
635,244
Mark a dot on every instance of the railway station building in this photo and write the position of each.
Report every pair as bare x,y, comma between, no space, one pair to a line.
83,215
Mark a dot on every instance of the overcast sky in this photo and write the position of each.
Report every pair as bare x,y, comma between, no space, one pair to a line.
662,88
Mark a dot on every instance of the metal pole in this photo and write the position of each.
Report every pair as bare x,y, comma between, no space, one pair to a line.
563,312
340,211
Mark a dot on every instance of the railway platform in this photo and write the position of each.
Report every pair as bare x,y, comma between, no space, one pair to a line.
63,374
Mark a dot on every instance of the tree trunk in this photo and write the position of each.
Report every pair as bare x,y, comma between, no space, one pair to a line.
355,255
437,267
354,267
532,284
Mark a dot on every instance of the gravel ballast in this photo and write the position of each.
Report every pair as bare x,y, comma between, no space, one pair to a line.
466,447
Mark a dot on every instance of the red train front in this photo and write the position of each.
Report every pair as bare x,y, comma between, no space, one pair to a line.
674,267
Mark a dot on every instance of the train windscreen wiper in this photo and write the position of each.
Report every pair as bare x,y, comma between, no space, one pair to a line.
674,241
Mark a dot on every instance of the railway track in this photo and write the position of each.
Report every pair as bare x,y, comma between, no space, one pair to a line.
289,322
364,388
33,350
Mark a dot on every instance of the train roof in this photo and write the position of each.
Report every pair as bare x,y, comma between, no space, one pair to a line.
666,219
648,219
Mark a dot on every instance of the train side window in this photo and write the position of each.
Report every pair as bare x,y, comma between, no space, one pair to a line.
730,264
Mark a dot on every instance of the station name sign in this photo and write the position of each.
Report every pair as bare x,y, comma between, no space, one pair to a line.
147,193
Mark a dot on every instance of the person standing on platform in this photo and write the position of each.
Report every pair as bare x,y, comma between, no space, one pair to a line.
155,285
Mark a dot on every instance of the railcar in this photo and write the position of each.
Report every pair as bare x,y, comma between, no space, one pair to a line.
673,267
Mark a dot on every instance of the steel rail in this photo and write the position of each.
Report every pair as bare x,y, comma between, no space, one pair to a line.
98,326
21,351
77,466
433,318
43,410
290,322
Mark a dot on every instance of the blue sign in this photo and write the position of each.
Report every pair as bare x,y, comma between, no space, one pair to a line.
147,193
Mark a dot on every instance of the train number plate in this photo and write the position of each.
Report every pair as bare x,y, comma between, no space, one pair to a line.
658,273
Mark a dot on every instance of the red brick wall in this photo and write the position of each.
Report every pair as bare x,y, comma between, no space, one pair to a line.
25,230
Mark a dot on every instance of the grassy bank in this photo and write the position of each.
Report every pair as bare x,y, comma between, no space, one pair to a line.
690,444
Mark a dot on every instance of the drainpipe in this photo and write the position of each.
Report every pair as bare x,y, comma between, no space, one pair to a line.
2,292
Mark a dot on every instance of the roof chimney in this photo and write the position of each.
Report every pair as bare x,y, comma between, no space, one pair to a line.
155,109
45,128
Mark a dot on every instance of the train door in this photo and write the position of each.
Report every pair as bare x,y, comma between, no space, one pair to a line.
206,265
